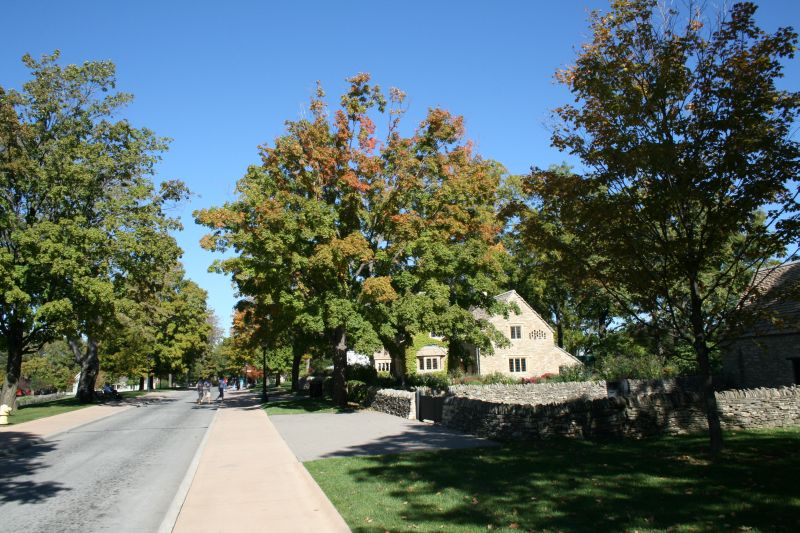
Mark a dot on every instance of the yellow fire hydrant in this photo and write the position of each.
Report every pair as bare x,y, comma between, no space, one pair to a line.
4,412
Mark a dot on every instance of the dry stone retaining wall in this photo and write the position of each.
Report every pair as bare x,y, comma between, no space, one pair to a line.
394,402
635,416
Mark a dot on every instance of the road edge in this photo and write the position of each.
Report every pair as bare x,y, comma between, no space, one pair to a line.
174,509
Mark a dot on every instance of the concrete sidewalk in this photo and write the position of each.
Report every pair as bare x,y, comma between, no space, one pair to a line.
248,474
51,425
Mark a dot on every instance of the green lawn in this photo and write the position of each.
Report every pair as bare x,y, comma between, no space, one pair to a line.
669,484
291,404
56,407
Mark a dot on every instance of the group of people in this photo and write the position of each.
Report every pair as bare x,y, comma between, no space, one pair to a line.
204,390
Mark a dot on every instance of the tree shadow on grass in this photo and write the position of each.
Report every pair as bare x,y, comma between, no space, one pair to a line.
21,458
573,485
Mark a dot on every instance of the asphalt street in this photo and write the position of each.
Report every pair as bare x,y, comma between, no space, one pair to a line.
117,474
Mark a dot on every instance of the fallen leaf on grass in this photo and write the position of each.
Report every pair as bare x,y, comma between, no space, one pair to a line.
474,501
513,525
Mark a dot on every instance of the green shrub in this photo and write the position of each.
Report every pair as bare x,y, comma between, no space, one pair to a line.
327,386
365,373
616,367
357,391
498,378
434,380
572,373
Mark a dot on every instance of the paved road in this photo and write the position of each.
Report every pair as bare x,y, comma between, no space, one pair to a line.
323,435
117,474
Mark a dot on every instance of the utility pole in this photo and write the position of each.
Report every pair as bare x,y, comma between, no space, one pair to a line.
264,395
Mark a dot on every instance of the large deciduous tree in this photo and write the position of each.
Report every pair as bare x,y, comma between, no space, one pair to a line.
334,226
691,173
78,212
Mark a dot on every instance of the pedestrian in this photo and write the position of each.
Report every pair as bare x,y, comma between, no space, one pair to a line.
222,386
199,390
206,391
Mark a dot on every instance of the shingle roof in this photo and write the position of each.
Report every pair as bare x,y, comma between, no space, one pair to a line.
776,299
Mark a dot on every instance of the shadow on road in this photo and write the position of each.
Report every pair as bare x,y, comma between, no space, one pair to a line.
24,460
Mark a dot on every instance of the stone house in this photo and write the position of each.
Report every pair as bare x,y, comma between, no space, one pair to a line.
767,353
532,352
427,354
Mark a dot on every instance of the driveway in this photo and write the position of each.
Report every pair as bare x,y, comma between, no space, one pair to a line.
325,435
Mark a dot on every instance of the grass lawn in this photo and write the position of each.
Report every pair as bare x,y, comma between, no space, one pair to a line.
27,413
669,484
291,404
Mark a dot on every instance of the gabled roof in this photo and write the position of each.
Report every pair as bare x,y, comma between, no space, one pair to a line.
507,297
776,296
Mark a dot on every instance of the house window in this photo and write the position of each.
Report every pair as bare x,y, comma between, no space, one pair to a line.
429,363
383,367
537,334
517,364
516,332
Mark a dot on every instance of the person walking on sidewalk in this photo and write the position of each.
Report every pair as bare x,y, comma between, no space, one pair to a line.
200,390
206,391
221,389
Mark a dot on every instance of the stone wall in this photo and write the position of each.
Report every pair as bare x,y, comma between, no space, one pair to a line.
761,361
394,402
635,417
533,393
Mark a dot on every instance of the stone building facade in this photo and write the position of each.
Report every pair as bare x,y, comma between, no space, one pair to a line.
532,352
767,354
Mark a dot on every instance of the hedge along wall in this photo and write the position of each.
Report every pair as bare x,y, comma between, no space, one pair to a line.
393,402
636,416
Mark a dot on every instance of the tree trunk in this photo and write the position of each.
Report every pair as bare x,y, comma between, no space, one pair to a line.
277,379
397,354
150,382
297,356
90,367
340,366
141,383
13,369
702,354
559,328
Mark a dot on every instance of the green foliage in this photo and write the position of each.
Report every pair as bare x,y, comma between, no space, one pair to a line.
630,366
53,367
573,373
498,378
359,242
365,373
80,211
434,380
357,391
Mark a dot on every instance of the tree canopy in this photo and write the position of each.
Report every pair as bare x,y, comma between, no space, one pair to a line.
357,240
690,182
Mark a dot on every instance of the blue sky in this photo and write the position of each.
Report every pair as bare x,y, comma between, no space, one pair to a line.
220,78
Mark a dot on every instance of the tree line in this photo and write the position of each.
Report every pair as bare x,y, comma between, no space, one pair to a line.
87,261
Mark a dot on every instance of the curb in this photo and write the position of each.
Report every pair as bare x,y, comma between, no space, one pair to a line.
174,509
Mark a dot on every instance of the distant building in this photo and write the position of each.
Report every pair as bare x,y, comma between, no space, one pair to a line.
767,354
532,352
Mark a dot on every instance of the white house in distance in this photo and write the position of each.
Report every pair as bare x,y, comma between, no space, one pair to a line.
532,352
